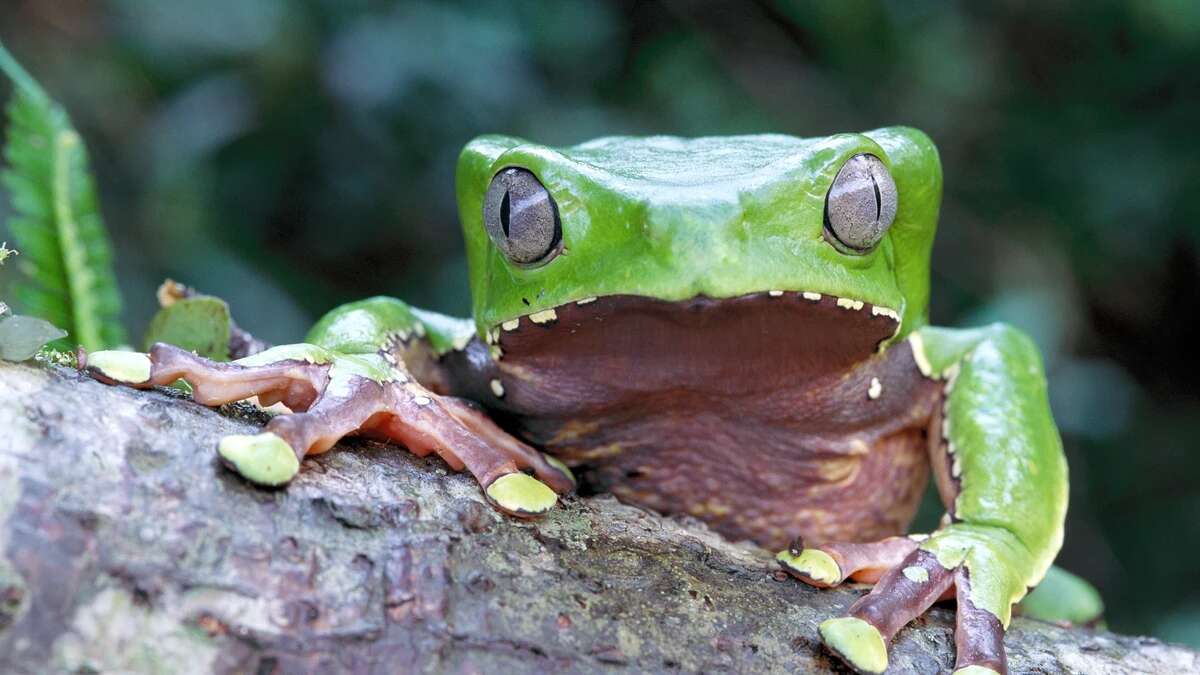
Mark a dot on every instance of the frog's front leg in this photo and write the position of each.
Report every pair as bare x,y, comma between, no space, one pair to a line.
334,395
1000,469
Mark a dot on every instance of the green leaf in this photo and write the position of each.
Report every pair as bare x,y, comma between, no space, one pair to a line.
22,336
200,323
66,256
1063,597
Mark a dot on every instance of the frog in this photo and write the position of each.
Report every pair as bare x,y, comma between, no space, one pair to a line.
734,329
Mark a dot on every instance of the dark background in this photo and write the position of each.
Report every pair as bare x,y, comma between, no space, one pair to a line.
293,155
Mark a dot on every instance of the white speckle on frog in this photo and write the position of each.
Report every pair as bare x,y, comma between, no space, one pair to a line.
918,351
809,295
951,375
511,325
461,342
498,388
875,389
544,316
877,310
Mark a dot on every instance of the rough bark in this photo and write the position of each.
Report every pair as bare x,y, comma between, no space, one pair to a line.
125,547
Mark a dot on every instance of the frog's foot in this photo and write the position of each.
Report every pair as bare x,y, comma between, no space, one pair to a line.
270,458
908,581
333,401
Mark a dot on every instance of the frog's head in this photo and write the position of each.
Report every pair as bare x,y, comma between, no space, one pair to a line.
773,219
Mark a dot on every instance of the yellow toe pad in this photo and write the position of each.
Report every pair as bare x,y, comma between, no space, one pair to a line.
856,642
264,458
129,367
814,564
522,494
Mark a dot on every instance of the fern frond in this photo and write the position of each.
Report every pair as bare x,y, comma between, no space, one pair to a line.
66,255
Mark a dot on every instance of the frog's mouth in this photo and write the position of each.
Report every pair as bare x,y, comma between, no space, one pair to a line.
748,342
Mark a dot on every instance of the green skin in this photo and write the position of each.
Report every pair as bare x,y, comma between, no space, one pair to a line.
742,215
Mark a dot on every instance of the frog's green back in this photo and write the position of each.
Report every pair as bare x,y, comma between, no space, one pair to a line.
673,218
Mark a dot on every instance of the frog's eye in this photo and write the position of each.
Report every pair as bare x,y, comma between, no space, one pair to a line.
521,217
861,204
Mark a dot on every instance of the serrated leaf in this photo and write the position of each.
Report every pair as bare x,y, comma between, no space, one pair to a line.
22,336
200,323
66,256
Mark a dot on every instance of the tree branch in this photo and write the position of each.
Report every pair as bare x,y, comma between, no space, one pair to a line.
124,547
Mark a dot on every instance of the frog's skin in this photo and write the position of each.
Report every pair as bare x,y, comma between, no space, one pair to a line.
701,339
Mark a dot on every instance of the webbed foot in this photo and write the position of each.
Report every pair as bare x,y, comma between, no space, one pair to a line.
334,395
910,574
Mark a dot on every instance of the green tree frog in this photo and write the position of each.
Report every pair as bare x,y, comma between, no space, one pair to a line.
733,328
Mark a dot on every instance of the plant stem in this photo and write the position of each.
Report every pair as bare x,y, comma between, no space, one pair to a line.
18,75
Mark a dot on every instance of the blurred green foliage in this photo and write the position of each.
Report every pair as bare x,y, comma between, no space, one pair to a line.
292,155
69,280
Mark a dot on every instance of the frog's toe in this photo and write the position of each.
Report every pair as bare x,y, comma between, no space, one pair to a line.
117,367
520,494
491,451
856,642
812,566
265,459
832,563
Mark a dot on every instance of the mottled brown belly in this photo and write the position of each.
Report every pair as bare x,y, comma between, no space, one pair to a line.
823,461
767,497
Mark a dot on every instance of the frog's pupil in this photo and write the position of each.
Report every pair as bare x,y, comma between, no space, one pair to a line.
504,213
878,200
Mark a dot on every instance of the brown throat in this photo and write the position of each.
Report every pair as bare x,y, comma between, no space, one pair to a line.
766,415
